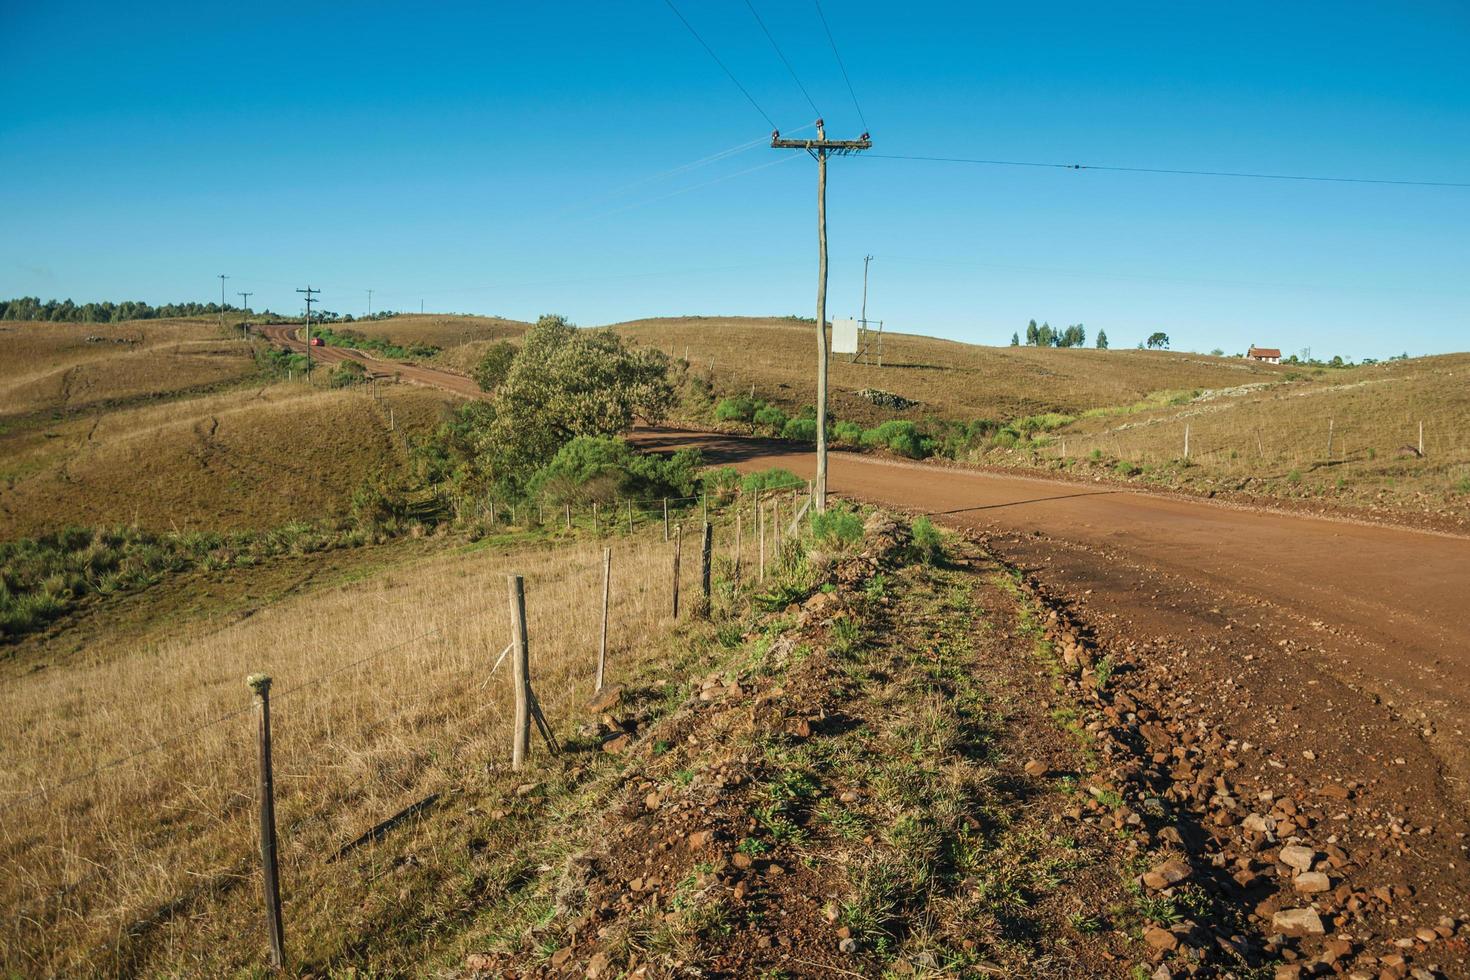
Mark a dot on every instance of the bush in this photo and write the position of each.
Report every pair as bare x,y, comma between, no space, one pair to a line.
1125,469
900,436
771,417
721,481
837,528
736,409
928,543
600,468
348,373
848,432
1005,438
800,430
772,479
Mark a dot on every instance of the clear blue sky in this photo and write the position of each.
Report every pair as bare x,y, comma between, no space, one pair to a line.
478,157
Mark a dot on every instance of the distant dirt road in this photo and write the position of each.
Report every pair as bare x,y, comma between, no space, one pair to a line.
434,378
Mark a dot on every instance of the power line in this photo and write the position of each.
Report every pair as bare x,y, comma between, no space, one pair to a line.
1165,170
750,98
782,55
840,65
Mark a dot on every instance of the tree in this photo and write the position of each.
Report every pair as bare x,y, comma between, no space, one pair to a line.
1015,340
1157,339
1073,336
1102,340
1033,336
566,383
494,365
1045,337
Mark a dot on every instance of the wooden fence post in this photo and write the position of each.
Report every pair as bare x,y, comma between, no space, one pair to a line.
705,546
606,587
520,672
738,529
1186,440
704,506
630,515
666,518
569,517
261,685
761,524
1421,438
594,519
1329,438
678,544
492,511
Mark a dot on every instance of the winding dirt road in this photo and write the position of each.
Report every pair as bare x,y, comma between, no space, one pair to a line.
285,336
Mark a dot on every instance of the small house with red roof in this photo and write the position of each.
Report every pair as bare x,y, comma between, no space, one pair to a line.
1266,355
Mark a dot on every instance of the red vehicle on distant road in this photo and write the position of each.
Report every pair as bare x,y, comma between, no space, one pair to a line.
316,342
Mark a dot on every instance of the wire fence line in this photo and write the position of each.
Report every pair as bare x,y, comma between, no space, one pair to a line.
367,713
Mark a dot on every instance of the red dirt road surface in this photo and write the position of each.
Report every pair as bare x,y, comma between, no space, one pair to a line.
286,337
1310,670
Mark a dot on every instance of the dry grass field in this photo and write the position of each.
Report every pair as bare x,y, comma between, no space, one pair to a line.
56,368
948,379
384,693
247,457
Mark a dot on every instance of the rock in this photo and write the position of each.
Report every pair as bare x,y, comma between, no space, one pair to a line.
848,796
560,957
1333,791
1035,768
618,744
1169,873
1160,939
598,965
1297,922
1311,882
741,860
848,945
1425,935
1298,857
699,838
479,962
653,801
605,700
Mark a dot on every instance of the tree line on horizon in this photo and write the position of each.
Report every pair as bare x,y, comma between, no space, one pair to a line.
1074,335
65,311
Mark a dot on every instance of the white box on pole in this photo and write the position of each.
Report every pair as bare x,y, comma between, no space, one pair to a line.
844,336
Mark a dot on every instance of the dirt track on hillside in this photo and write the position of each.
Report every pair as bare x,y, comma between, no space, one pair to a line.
376,368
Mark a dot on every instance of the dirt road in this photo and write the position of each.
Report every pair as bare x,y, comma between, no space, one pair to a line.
285,336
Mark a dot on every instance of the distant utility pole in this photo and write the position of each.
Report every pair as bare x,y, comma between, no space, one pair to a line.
819,149
421,306
222,278
370,304
245,307
309,294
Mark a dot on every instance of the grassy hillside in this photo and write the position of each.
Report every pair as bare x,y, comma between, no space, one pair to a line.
948,379
48,368
179,427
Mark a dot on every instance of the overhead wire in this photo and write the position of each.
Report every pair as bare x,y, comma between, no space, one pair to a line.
782,55
830,40
711,51
1165,170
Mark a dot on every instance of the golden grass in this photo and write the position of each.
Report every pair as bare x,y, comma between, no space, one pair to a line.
438,330
950,379
88,867
52,367
243,458
1272,432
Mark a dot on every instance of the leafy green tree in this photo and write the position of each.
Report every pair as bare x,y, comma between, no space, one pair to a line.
1073,336
1157,340
1033,334
1045,337
494,365
566,383
1102,340
1015,340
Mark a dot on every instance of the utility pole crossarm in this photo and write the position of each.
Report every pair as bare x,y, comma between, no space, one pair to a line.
836,147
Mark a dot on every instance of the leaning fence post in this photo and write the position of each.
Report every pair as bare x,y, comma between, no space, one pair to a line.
666,518
606,586
705,545
520,672
261,685
738,522
761,525
678,545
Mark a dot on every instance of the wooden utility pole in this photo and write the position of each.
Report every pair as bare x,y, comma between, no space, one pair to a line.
678,546
819,149
309,300
222,278
260,685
